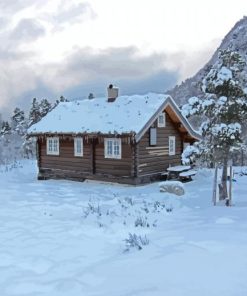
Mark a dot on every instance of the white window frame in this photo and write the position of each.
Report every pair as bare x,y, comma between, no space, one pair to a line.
78,141
52,145
172,147
153,136
163,122
113,148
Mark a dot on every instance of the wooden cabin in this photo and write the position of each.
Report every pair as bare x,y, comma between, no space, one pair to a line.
126,139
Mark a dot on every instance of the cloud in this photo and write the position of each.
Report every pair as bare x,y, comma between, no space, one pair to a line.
27,30
86,65
73,13
81,72
155,82
14,6
85,70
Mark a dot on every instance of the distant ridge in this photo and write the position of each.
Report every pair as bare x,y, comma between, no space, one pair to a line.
236,39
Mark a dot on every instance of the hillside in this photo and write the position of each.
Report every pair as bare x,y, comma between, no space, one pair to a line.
236,39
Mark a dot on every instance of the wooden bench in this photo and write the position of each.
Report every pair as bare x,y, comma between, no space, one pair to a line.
187,176
164,175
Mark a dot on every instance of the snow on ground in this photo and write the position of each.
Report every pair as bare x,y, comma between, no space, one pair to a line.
67,238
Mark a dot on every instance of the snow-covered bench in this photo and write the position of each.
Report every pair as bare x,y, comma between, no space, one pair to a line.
174,171
187,176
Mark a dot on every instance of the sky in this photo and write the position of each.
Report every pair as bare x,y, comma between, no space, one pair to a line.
73,47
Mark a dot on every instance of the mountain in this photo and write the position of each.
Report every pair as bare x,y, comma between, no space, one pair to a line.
236,39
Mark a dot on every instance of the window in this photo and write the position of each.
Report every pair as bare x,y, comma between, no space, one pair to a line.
78,146
162,120
172,145
52,147
153,137
113,148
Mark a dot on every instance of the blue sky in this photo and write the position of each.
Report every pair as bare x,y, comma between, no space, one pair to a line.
73,47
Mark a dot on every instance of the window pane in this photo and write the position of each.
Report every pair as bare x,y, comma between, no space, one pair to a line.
153,136
78,146
55,148
172,148
109,147
50,145
171,145
116,148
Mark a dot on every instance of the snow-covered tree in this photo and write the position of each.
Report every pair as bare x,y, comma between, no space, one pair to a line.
91,96
34,115
5,129
44,107
224,108
61,100
18,122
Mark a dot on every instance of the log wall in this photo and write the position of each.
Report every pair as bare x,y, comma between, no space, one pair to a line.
156,159
114,167
91,165
65,165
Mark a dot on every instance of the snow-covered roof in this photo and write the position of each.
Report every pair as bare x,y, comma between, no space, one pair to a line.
127,114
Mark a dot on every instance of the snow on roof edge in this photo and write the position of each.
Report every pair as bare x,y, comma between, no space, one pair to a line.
98,116
193,133
197,132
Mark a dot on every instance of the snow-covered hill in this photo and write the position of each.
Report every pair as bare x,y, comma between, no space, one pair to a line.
236,39
64,238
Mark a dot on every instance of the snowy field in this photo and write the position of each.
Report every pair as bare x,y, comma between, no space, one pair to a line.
69,239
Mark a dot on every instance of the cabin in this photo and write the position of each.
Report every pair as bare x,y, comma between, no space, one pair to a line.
124,139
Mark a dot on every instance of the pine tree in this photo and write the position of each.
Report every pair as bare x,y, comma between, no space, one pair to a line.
18,122
44,107
61,100
34,115
91,96
224,108
5,129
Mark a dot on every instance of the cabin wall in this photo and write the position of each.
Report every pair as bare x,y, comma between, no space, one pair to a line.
92,165
65,165
156,159
114,167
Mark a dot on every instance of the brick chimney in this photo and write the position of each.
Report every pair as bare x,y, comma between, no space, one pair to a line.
112,92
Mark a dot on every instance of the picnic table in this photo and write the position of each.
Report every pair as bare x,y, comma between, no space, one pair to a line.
175,171
187,175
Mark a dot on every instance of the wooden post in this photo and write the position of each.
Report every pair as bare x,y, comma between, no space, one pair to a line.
215,185
242,157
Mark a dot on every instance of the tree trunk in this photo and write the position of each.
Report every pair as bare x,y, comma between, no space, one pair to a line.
214,199
223,186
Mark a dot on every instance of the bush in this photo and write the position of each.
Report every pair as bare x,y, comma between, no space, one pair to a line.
135,241
140,221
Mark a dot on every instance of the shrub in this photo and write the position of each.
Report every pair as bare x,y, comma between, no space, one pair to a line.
141,221
135,241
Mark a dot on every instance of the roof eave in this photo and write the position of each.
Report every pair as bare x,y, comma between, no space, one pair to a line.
169,101
37,134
